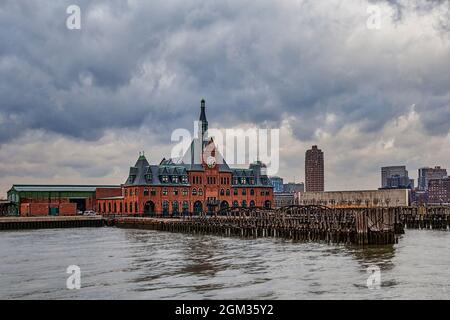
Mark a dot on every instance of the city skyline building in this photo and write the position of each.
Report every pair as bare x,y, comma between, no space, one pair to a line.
314,170
439,191
426,174
277,183
396,177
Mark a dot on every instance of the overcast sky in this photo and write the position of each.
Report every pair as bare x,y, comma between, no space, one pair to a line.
76,106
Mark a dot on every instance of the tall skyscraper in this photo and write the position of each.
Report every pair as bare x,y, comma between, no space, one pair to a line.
314,170
427,174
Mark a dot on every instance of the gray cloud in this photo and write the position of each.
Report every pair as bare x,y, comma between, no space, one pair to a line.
146,64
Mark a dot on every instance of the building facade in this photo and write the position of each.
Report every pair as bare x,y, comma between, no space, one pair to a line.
277,184
283,199
314,170
41,200
396,177
200,182
358,199
426,174
439,191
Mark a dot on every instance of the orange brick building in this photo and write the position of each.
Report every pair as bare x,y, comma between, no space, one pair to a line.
202,182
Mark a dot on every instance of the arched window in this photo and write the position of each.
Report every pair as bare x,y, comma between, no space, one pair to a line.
115,207
222,192
252,204
146,192
185,207
200,192
131,207
185,192
244,192
235,192
165,207
136,209
252,192
175,207
244,203
104,207
194,192
235,204
120,207
164,192
228,192
126,207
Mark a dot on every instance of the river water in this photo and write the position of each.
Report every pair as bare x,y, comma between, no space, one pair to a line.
140,264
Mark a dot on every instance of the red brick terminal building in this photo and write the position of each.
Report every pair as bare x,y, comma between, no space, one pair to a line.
201,182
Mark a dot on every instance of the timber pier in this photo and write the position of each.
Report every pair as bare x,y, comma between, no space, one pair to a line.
301,223
360,226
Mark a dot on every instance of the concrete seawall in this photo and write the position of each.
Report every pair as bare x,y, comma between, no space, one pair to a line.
18,223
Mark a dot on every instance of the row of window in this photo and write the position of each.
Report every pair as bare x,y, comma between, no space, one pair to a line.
131,207
185,192
199,180
174,179
346,202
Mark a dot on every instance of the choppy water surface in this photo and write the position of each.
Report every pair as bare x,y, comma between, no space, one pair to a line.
141,264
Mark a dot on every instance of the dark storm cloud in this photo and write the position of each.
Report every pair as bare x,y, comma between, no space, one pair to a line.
148,63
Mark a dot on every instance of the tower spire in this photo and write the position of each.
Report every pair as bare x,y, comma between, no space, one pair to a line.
203,121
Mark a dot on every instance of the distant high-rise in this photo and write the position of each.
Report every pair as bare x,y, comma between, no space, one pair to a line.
427,174
439,191
277,184
396,177
314,170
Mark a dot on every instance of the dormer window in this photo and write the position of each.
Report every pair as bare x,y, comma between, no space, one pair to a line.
252,180
243,180
148,177
236,181
175,179
165,179
131,179
184,179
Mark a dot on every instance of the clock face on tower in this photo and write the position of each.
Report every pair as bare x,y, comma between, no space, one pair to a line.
211,162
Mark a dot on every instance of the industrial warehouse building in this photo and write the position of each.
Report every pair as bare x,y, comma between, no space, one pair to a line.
41,200
362,198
